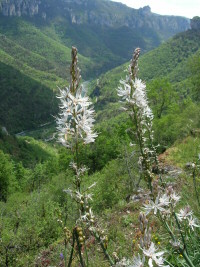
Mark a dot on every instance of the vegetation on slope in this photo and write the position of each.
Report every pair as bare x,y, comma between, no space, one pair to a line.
36,200
39,48
170,60
24,103
31,42
171,74
32,66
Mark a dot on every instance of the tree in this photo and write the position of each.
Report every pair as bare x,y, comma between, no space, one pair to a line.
161,95
6,176
195,70
195,23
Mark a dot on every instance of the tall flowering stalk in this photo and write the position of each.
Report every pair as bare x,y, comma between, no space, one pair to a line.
195,167
75,121
163,198
133,91
75,127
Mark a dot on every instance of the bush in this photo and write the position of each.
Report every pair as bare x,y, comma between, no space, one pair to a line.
8,183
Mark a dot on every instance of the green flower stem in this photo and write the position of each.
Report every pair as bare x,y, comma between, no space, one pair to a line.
182,251
86,254
180,231
195,186
65,253
156,159
167,227
187,259
141,145
79,249
103,248
72,251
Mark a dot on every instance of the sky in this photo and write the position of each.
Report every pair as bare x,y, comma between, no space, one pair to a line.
186,8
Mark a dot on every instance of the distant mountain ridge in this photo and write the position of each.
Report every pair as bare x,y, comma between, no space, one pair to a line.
103,30
100,12
35,43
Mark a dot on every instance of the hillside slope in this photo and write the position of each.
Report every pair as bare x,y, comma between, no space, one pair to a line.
104,31
36,39
171,73
27,103
170,60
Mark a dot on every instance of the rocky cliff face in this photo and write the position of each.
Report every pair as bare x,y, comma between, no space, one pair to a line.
112,14
108,18
19,7
100,12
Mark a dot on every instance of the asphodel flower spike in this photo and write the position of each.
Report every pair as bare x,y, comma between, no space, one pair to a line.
133,91
76,118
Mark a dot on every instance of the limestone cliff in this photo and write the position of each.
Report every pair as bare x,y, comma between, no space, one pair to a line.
107,13
19,7
96,12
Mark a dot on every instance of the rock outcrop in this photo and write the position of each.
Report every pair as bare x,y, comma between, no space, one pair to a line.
103,13
195,23
19,7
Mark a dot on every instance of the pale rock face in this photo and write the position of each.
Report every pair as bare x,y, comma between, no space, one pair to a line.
146,10
87,12
73,18
44,15
19,7
12,10
4,131
136,19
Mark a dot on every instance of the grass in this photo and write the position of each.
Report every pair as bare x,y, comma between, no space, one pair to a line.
185,151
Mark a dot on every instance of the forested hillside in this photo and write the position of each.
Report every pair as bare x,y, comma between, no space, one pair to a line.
115,187
172,60
36,39
170,72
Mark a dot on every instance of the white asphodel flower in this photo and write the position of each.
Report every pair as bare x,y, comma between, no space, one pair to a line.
76,119
164,200
123,263
139,98
139,94
133,92
174,198
124,90
154,256
160,204
193,222
80,196
137,262
184,213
